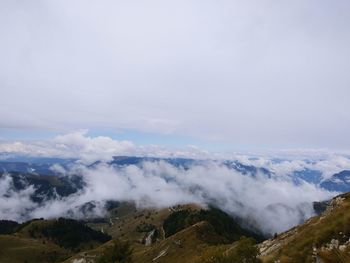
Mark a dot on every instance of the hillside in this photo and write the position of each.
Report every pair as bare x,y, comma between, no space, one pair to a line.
17,249
323,238
161,235
47,240
184,233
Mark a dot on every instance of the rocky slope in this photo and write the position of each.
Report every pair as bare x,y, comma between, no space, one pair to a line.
323,238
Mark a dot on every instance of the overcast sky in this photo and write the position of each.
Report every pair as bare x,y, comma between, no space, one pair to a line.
261,74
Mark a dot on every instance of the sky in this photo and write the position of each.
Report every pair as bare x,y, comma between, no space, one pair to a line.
221,74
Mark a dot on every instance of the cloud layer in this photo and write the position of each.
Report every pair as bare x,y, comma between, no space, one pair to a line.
270,204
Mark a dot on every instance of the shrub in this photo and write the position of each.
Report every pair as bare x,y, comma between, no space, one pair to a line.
224,225
120,252
244,251
70,234
7,226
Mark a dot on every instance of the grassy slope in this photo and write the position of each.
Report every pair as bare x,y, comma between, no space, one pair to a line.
306,242
15,249
127,218
301,244
22,246
29,243
185,246
35,229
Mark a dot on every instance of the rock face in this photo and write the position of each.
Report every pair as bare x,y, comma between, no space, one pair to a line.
270,246
148,239
332,205
323,238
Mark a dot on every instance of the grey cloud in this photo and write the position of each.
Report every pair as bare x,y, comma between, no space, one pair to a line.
253,73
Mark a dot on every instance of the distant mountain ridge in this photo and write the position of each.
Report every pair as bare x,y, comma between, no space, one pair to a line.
339,182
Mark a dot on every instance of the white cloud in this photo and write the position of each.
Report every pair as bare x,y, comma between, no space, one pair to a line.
88,149
72,145
14,205
273,204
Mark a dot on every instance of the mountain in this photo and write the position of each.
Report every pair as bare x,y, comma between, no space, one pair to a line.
247,169
183,233
133,160
27,166
46,187
47,240
33,165
339,182
44,166
154,235
176,234
307,175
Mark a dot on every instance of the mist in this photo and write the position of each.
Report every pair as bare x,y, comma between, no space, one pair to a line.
269,204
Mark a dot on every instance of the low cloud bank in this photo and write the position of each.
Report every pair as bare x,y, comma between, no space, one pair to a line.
272,204
87,149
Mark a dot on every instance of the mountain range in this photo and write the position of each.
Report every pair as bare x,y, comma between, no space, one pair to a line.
188,232
34,168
